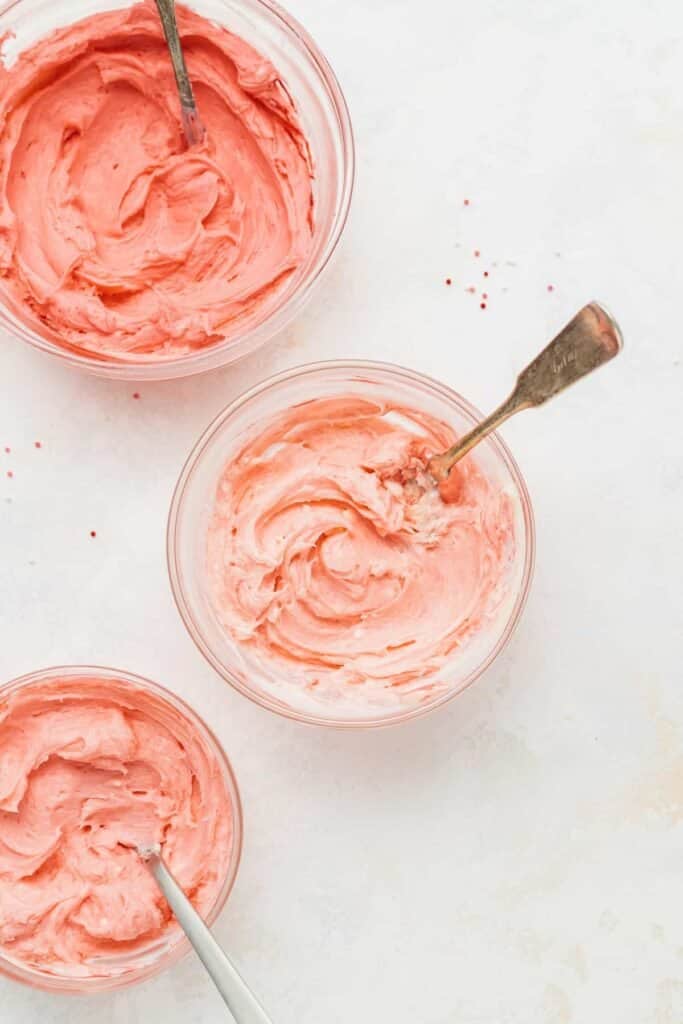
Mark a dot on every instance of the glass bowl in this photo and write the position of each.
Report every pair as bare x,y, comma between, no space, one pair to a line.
193,503
325,120
120,971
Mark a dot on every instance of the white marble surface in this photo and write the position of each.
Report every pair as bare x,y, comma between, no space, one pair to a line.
515,858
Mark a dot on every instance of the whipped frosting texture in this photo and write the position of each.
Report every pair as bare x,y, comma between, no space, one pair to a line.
325,572
114,238
89,768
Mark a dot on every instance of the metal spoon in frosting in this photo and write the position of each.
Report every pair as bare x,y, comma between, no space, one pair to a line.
589,340
192,123
239,999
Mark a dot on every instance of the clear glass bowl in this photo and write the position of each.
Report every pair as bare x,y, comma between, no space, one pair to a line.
325,120
193,504
121,972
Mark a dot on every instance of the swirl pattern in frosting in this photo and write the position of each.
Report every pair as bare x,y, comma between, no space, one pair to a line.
89,769
114,238
330,576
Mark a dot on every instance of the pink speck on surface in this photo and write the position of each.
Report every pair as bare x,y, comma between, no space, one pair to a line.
466,202
7,450
484,296
477,253
136,395
37,444
10,474
551,287
471,289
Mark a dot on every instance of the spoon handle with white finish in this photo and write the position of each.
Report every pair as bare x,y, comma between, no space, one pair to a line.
589,340
239,999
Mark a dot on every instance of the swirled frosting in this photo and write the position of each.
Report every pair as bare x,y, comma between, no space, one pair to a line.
89,768
325,570
116,239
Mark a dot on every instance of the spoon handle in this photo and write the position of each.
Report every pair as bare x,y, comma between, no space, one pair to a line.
192,125
589,340
241,1002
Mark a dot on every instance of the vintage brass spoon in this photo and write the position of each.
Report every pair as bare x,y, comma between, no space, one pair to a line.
192,123
589,340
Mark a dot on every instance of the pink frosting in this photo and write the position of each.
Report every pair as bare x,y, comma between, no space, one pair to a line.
114,238
89,768
325,570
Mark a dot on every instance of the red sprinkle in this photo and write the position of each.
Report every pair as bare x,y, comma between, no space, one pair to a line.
8,450
477,253
38,444
10,474
486,273
551,287
136,394
93,533
482,305
484,295
449,280
467,202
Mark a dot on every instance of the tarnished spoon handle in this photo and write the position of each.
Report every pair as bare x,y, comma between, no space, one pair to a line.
239,999
192,126
589,340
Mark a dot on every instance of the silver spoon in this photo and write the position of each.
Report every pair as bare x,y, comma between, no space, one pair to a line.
191,121
589,340
239,999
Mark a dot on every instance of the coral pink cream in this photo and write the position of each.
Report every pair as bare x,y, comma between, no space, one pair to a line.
114,238
88,769
331,577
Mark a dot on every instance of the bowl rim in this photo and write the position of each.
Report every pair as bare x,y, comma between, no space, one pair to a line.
184,481
219,355
81,985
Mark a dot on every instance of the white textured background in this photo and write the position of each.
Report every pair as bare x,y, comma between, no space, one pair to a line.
518,857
